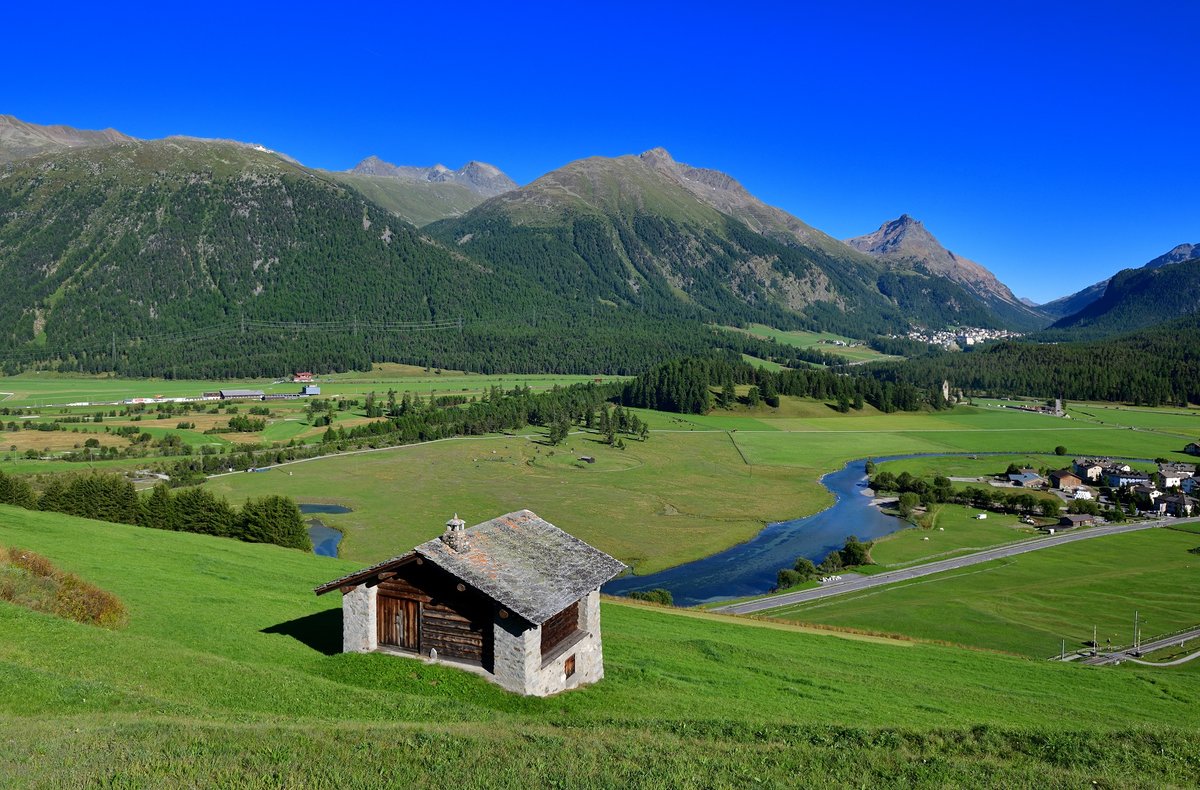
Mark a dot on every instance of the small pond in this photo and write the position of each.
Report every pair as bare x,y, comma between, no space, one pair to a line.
310,508
325,539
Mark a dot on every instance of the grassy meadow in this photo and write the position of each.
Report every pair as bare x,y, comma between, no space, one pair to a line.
701,483
952,530
228,674
821,341
1026,604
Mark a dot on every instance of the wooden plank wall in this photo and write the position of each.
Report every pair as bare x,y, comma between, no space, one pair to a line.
559,627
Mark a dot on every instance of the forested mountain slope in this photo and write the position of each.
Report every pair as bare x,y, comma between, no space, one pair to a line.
662,237
1154,366
179,257
1070,305
1135,299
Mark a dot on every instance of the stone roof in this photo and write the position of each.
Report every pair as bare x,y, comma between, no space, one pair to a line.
520,560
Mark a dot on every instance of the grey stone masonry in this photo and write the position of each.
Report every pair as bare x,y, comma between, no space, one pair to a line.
359,634
521,668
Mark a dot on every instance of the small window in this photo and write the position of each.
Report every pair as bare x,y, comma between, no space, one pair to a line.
569,665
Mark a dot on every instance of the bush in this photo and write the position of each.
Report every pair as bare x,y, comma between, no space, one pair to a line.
659,596
38,585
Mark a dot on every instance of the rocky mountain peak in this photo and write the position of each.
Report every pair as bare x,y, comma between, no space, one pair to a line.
19,139
657,156
479,177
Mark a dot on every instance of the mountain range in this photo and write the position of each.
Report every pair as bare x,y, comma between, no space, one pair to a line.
104,235
1066,306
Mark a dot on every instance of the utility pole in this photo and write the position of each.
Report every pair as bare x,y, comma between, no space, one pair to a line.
1062,655
1095,644
114,352
1137,637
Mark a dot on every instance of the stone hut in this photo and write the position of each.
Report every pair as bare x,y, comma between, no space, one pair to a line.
515,599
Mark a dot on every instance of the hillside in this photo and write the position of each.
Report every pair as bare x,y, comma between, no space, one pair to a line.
229,671
1136,299
421,195
1067,306
19,139
673,239
1153,366
212,259
905,243
416,202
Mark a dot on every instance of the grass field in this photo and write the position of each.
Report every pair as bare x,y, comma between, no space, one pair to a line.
228,675
700,483
37,389
953,530
1028,603
821,341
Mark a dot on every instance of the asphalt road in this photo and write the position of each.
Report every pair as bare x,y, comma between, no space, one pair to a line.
917,571
1147,647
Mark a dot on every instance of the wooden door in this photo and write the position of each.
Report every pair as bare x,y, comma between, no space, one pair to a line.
399,622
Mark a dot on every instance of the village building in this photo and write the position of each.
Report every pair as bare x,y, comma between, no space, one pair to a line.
1075,520
302,378
1065,480
1189,485
1172,475
1192,449
1180,505
1088,469
1116,477
241,394
1027,478
515,599
1082,492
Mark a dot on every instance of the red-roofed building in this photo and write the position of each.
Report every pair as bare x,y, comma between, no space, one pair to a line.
302,378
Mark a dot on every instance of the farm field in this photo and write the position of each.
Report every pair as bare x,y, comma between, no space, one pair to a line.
228,673
801,339
1026,604
953,530
36,389
698,485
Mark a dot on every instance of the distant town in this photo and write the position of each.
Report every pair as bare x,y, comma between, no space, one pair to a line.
963,337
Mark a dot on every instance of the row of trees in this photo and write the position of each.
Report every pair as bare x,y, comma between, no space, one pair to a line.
853,554
686,386
105,497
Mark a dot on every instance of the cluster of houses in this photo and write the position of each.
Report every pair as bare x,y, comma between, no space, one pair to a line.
1168,491
964,337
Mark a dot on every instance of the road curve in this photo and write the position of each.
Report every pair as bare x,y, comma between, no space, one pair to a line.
917,571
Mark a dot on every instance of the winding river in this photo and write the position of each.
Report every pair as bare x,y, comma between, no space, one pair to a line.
750,568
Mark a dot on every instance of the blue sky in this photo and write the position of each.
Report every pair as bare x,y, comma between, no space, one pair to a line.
1055,143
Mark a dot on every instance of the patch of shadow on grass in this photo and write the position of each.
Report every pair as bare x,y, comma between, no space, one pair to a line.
321,631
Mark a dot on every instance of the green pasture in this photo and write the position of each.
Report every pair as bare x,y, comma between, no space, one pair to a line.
1028,603
674,498
801,339
952,530
38,389
229,674
700,484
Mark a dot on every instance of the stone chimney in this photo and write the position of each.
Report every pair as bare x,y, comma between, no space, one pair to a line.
455,535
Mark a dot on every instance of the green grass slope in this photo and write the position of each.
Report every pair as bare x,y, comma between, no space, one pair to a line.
228,675
418,202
